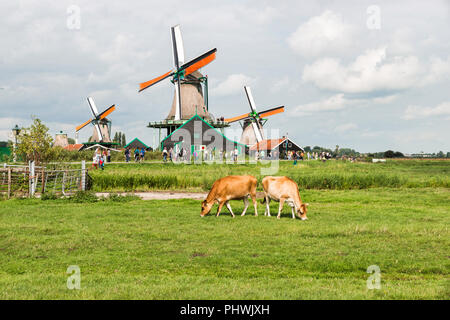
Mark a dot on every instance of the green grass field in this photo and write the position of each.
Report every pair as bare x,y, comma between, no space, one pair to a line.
163,249
394,215
336,175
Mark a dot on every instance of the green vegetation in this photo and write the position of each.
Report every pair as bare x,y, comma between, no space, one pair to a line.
337,175
163,249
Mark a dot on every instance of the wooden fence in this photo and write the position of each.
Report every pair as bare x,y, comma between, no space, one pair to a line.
27,181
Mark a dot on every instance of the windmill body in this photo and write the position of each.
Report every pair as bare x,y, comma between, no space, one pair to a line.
253,122
190,88
102,126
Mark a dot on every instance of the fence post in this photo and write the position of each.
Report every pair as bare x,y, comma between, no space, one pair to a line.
43,181
9,183
31,178
83,175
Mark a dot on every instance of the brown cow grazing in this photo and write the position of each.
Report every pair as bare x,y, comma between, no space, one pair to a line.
231,188
283,189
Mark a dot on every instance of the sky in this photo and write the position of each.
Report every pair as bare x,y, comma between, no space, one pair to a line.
366,75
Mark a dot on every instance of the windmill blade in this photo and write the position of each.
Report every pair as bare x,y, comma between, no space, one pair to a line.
99,132
248,92
93,107
178,100
107,112
82,125
145,85
271,112
241,117
199,62
177,46
257,130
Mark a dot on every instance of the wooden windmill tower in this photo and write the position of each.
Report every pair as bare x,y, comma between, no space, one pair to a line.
253,122
191,88
102,126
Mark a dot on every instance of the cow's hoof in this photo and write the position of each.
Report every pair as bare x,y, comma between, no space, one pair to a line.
278,217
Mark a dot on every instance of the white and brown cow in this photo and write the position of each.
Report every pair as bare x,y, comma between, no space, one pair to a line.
283,189
231,188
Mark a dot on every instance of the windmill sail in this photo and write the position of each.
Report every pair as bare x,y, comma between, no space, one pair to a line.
97,119
182,69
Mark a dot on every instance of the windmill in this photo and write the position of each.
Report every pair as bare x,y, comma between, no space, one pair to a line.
254,121
180,74
101,124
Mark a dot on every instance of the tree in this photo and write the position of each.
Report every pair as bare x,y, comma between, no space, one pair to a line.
35,143
71,140
124,140
440,154
389,154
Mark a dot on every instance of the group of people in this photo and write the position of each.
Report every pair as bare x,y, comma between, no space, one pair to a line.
182,155
139,154
100,158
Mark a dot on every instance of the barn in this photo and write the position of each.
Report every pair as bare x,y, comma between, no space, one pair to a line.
275,148
197,135
138,144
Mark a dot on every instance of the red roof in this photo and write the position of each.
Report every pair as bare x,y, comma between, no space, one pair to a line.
268,144
73,147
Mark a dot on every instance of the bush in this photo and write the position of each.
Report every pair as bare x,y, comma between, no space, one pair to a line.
83,196
49,196
119,198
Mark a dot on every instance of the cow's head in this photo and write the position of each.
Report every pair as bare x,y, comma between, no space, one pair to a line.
206,208
302,211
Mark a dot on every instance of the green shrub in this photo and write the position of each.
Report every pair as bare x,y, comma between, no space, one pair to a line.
49,196
83,196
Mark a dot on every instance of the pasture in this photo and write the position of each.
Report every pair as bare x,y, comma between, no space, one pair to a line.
133,249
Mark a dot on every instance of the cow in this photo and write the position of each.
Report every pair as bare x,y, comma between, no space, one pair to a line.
283,189
231,188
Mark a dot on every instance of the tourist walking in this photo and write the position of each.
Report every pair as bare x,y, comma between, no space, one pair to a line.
164,153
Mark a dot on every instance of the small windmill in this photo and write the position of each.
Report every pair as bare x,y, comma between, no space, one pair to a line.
101,131
254,121
182,69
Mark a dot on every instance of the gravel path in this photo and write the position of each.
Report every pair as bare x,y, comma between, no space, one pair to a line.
163,195
167,195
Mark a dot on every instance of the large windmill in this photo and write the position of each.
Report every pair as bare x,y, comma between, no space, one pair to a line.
254,121
102,129
183,73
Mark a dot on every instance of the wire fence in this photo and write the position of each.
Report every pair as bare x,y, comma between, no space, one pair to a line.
27,181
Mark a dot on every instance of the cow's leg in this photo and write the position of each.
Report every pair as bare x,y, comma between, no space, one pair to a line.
246,202
293,214
229,208
253,195
220,207
267,212
280,207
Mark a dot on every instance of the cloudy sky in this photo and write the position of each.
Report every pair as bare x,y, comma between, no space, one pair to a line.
369,75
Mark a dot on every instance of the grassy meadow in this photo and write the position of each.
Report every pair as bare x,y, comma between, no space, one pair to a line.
337,175
128,248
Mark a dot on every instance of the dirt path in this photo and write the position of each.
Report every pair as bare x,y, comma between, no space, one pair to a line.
168,195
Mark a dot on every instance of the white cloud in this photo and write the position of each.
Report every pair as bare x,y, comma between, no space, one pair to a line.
322,34
415,112
345,127
371,71
233,84
336,102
